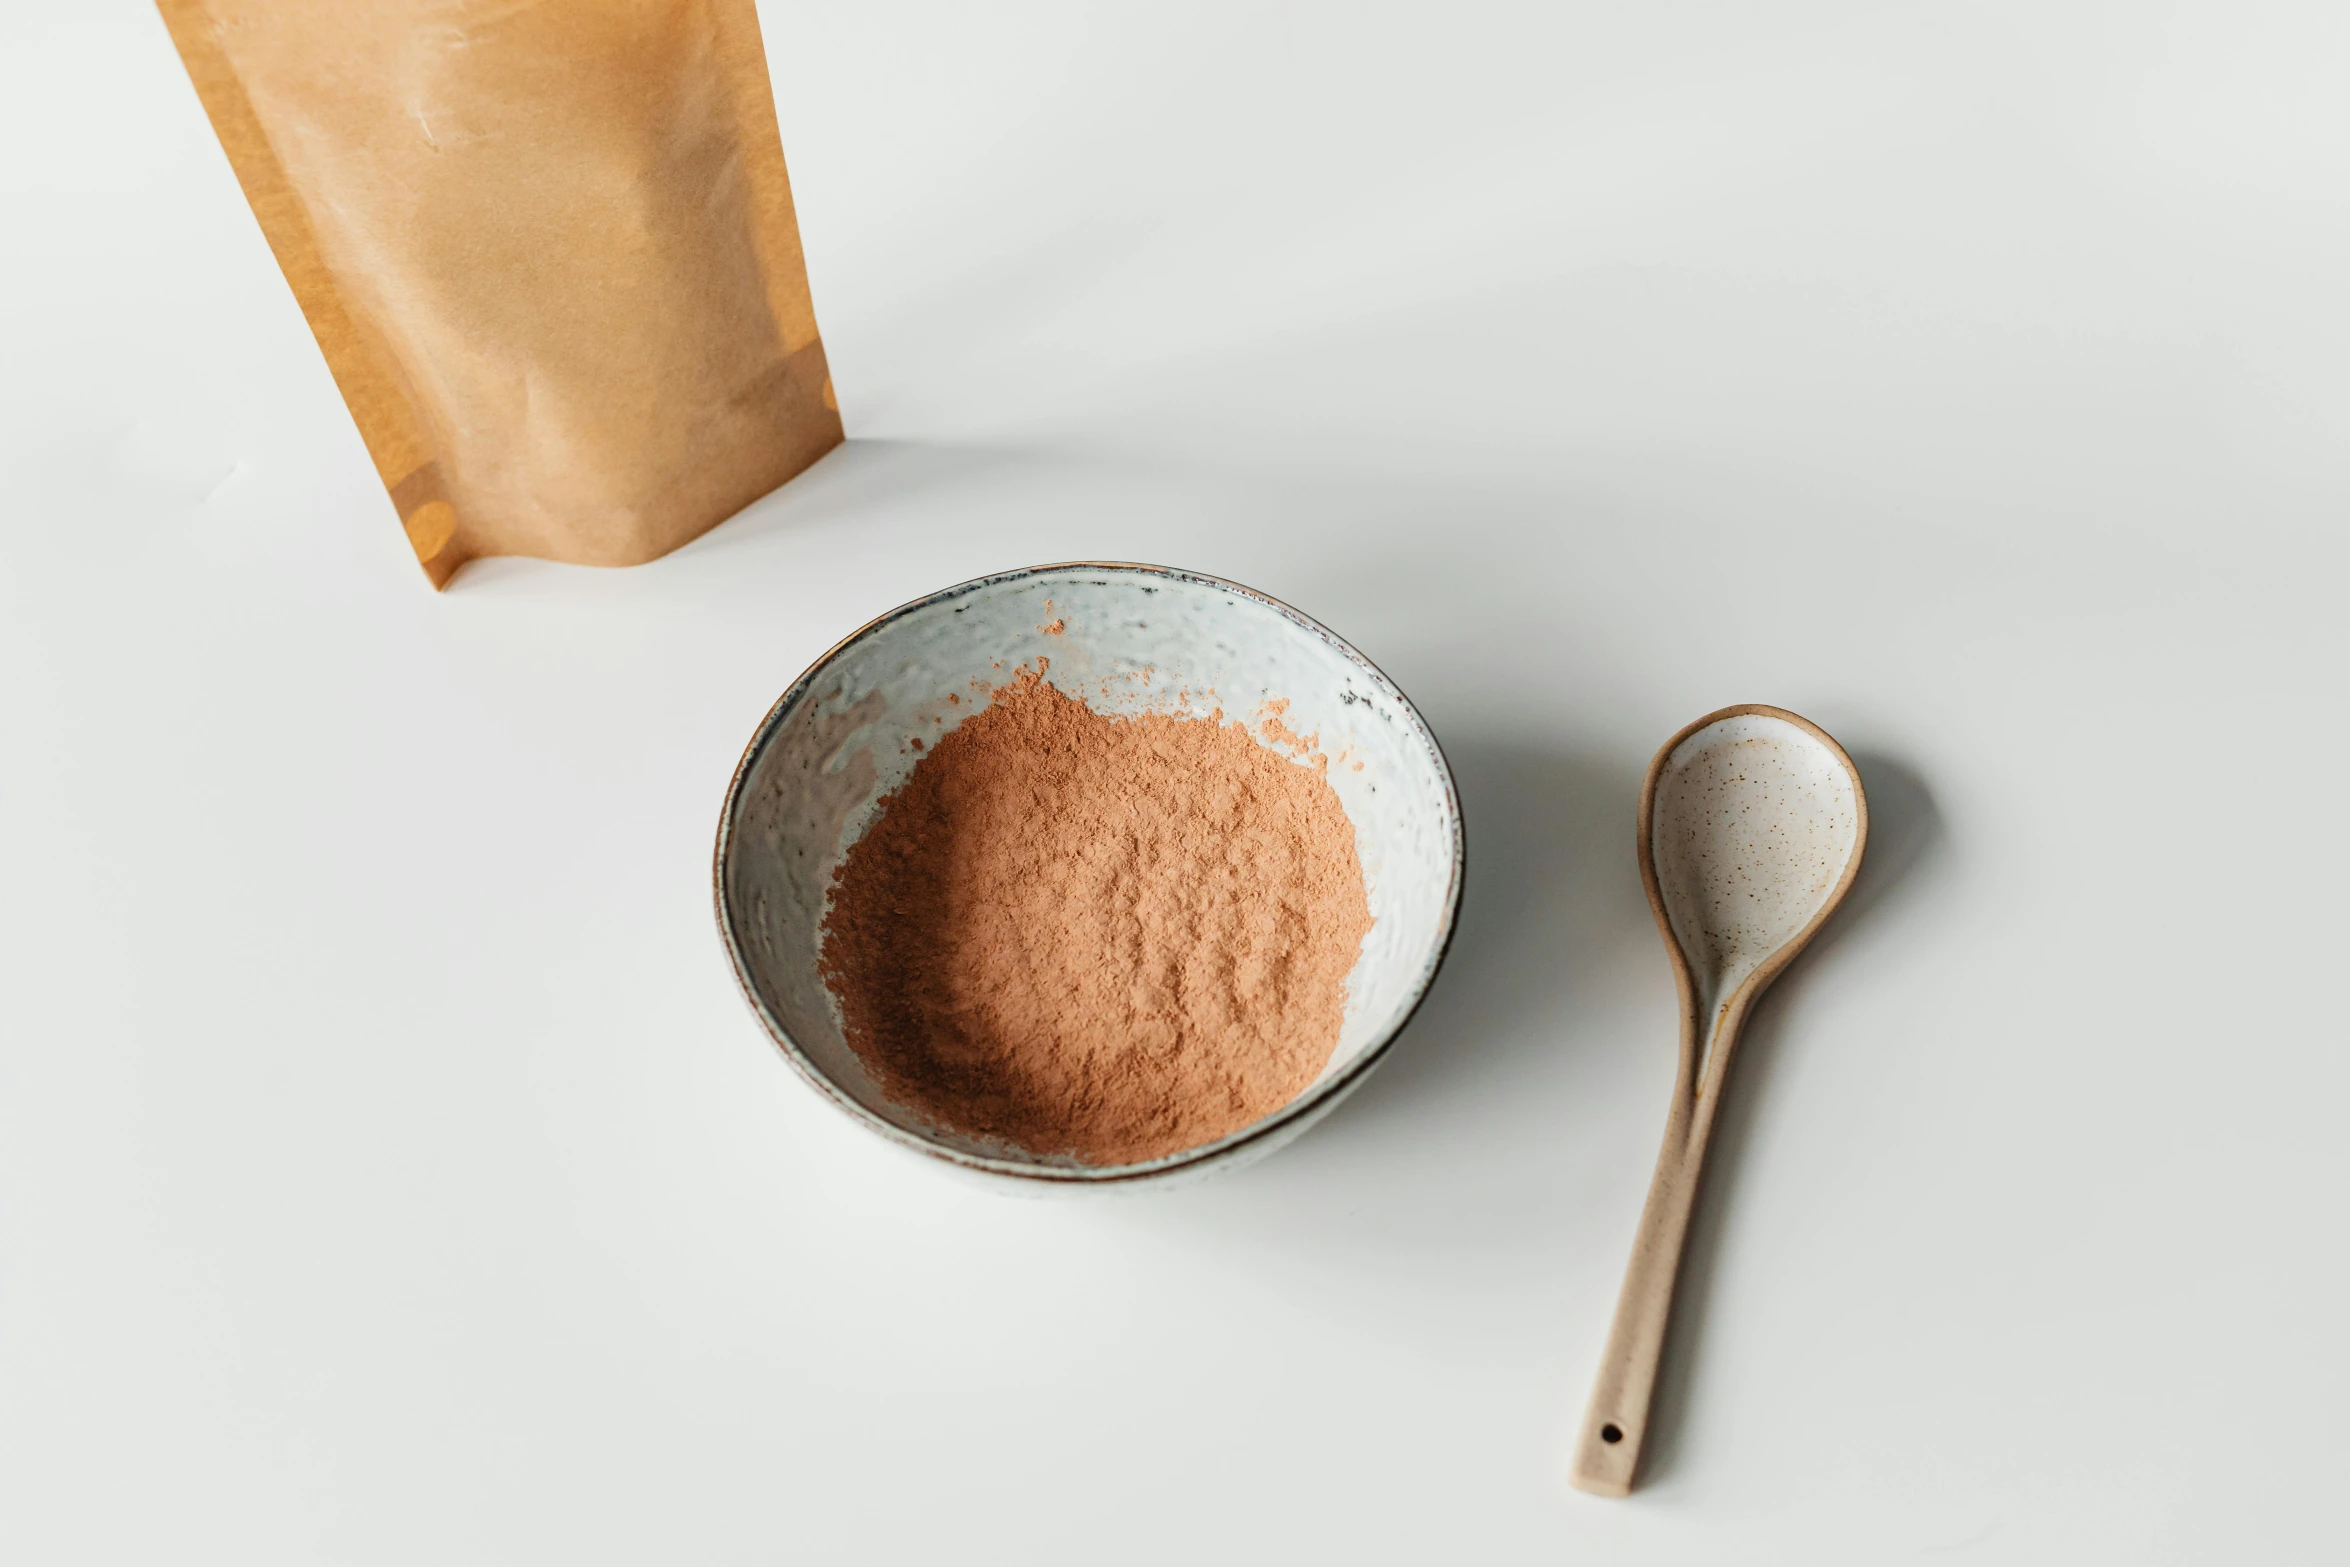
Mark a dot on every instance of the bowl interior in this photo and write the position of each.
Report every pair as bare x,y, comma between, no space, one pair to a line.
1127,640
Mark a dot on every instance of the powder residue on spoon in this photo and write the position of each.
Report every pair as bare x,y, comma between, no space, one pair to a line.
1754,825
1111,938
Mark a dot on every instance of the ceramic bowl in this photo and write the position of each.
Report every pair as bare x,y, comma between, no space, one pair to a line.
1127,639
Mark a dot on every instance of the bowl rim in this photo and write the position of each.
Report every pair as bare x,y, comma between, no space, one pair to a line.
1320,1095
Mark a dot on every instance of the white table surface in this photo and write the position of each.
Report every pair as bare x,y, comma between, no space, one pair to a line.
389,1172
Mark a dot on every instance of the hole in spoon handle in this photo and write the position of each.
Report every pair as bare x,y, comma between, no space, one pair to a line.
1615,1426
1606,1460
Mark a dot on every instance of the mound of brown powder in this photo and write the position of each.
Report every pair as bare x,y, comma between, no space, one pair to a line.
1112,938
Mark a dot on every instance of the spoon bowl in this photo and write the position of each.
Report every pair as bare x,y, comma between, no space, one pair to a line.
1752,823
1751,830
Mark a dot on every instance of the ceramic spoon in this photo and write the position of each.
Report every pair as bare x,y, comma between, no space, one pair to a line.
1752,822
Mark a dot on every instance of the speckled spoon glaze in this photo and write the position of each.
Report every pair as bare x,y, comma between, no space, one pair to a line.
1752,822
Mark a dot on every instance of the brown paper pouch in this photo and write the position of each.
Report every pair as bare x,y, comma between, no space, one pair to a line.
548,249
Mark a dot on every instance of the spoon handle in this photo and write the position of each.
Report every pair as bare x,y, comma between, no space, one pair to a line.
1607,1454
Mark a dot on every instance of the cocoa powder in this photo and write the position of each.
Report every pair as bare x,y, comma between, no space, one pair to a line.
1105,937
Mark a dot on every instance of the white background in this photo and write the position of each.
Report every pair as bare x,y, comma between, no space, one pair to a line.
389,1172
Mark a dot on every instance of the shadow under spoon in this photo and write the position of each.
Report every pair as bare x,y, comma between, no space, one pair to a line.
1752,823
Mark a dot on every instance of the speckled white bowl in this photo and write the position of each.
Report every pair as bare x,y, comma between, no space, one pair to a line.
1128,639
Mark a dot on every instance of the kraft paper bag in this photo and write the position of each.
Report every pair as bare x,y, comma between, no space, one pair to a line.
547,247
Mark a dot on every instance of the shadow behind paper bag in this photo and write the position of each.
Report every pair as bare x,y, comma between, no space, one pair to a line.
549,252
